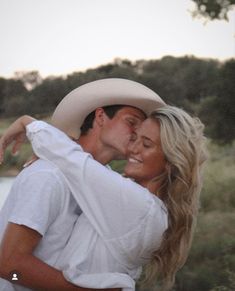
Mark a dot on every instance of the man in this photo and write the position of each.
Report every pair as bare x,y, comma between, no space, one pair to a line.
40,212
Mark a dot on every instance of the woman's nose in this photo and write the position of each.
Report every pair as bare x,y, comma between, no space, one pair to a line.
133,147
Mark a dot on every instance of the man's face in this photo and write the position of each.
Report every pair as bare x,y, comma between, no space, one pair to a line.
116,132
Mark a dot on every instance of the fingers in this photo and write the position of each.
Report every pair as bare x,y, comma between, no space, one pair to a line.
19,140
15,134
16,148
8,139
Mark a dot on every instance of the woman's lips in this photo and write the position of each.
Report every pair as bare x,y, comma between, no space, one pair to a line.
134,160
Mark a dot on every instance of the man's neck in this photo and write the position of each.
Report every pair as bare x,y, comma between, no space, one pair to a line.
91,144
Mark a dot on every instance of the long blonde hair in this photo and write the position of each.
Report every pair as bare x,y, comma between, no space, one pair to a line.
183,145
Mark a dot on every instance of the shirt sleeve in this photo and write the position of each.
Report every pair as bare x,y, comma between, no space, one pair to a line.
113,204
36,202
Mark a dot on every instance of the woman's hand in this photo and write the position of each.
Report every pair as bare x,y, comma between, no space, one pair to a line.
16,134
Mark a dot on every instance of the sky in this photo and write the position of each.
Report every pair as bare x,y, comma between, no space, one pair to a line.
58,37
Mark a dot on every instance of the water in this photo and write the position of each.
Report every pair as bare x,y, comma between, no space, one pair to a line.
5,185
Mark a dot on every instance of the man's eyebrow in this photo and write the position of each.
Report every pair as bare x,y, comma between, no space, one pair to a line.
135,116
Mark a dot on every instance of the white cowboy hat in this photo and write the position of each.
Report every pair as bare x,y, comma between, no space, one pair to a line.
74,107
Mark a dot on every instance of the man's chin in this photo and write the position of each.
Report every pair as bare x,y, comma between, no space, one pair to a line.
118,158
121,156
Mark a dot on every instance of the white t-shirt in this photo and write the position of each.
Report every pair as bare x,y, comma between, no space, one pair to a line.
121,225
41,200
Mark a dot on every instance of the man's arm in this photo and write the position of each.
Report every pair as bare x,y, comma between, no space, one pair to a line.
16,254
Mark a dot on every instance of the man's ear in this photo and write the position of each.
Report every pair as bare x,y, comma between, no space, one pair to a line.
99,116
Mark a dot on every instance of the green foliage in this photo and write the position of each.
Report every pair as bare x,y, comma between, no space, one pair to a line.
181,81
218,192
218,110
30,79
16,162
213,249
118,166
46,96
203,87
213,252
2,94
4,123
213,9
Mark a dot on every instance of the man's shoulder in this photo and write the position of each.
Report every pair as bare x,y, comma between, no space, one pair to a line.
41,169
41,165
43,179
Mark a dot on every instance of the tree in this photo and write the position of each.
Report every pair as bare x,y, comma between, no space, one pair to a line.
218,111
2,94
30,79
180,81
13,89
46,96
213,9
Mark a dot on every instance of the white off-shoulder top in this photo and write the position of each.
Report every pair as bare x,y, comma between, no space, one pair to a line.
121,225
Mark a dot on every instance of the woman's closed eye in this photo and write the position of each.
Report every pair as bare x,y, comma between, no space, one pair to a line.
147,143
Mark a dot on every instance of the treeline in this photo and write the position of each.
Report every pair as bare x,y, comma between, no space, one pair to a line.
205,87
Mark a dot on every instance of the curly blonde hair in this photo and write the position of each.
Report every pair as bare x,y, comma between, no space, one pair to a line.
183,144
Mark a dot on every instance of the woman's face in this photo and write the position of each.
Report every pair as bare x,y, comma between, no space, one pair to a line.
145,158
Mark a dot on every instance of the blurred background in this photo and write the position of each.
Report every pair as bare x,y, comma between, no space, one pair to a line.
184,50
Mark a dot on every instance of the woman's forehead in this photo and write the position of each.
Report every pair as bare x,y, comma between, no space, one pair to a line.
149,128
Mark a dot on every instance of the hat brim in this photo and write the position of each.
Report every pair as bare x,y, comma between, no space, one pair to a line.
74,107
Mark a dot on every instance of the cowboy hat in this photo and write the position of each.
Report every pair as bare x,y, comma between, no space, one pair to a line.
74,107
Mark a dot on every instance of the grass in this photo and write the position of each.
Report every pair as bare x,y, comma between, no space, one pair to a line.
219,179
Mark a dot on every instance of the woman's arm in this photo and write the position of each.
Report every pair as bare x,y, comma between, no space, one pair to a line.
114,205
16,134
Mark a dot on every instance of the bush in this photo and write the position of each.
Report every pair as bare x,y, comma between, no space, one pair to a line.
212,257
16,162
218,192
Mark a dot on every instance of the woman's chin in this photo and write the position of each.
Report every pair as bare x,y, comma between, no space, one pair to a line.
129,173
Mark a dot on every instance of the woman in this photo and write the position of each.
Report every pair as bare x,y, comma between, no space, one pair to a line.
129,225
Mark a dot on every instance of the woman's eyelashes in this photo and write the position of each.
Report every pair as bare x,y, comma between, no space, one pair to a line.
146,145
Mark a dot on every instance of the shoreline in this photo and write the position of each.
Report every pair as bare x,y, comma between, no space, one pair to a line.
10,173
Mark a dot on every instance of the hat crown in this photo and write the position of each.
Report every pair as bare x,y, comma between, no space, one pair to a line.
75,106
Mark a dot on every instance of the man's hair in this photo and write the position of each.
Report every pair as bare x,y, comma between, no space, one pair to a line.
110,111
